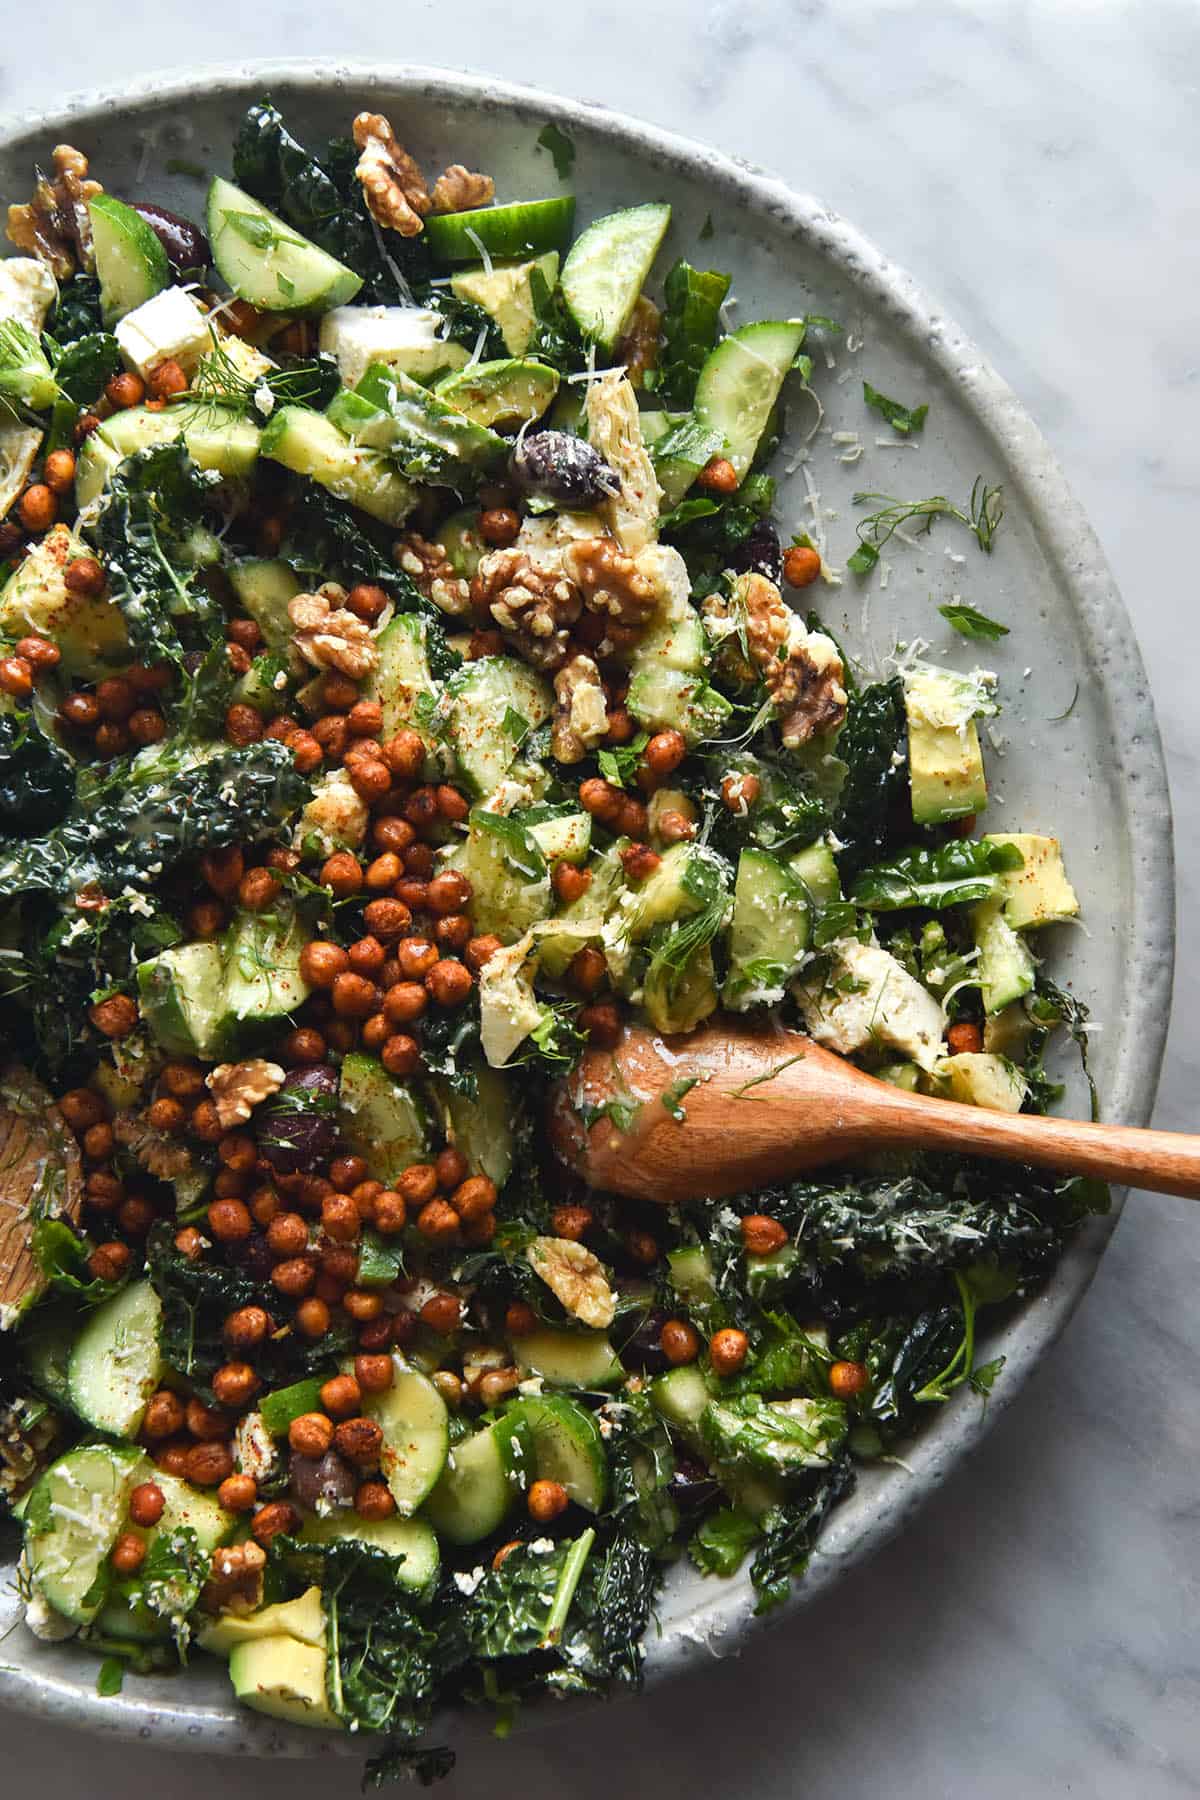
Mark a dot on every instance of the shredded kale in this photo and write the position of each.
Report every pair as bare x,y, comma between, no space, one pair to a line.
789,1533
691,324
719,1545
77,313
37,777
874,801
955,874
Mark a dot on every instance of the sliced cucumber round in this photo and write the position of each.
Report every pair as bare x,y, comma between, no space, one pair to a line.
740,382
267,263
130,261
569,1359
607,268
567,1446
527,228
410,1541
416,1435
505,393
115,1364
480,1481
71,1524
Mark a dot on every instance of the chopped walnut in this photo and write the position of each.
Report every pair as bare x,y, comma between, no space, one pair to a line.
161,1156
801,669
580,710
609,580
433,573
576,1278
55,226
535,609
394,186
458,190
614,430
638,349
237,1088
235,1578
329,636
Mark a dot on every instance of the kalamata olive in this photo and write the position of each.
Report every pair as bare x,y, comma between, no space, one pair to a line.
691,1486
322,1478
185,244
759,552
553,465
297,1129
641,1348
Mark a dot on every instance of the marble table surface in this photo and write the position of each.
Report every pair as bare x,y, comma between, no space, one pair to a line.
1035,1632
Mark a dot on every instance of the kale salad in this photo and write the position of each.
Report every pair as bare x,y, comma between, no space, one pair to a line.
404,684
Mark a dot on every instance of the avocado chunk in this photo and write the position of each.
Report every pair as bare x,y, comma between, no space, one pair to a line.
36,601
978,1078
302,1619
283,1678
505,293
944,757
1037,893
500,394
309,444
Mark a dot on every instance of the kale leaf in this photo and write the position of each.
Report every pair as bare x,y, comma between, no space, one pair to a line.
969,622
790,1531
874,796
86,365
954,874
78,312
718,1546
561,148
37,777
641,1464
691,323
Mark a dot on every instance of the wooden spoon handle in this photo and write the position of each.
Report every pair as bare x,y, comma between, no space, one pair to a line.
1168,1162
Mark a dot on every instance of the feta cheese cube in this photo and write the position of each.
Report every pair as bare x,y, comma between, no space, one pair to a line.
169,327
403,337
27,290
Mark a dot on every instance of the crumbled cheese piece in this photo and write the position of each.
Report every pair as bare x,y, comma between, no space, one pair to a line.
169,327
27,290
264,400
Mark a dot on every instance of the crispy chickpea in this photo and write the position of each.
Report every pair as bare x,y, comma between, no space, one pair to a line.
848,1379
208,1465
801,566
546,1500
332,735
207,1424
453,806
448,892
362,1304
449,982
762,1236
418,1184
484,643
499,526
245,632
111,740
633,821
587,970
222,870
359,1441
665,751
520,1319
37,508
167,380
642,1246
387,920
451,1168
449,1386
480,1231
383,872
718,476
354,997
621,727
602,1024
480,951
80,712
39,653
258,890
400,1055
206,919
342,874
84,577
571,1221
205,1122
307,754
243,725
375,1032
16,677
338,691
135,1216
675,827
727,1350
474,1197
238,1493
272,1521
438,1222
602,799
304,1046
103,1190
442,1312
229,1221
373,1500
81,1108
246,1327
312,1318
370,778
418,865
392,833
58,471
639,861
235,1384
128,1553
294,1276
164,1416
125,390
115,1017
421,808
679,1342
321,963
740,792
311,1434
964,1038
339,1218
404,1002
404,754
364,718
239,662
366,601
108,1262
416,956
172,1458
147,1503
569,882
373,1373
341,1396
287,1234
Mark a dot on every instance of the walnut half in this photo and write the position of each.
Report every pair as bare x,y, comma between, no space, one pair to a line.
580,710
237,1088
56,226
801,669
328,635
433,572
576,1278
534,608
459,190
393,185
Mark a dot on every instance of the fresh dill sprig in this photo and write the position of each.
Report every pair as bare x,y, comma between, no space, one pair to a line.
219,382
985,510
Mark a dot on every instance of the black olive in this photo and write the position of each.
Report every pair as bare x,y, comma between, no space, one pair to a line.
326,1478
185,244
297,1129
759,553
641,1349
691,1486
553,465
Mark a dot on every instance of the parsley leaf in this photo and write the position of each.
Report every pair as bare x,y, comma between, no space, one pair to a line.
972,624
561,148
900,417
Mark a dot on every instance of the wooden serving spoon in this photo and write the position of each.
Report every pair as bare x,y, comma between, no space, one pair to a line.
40,1177
770,1104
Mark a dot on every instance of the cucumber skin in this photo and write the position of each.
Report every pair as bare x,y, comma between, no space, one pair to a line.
124,234
342,284
601,280
725,400
529,228
94,1349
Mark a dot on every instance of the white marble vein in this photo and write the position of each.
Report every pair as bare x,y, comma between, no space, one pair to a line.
1036,1631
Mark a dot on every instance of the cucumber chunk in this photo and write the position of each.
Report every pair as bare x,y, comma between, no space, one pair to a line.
380,1118
426,437
307,443
416,1435
500,394
267,263
688,879
527,228
215,437
740,382
264,585
666,699
263,983
46,1343
409,1541
1006,969
508,875
680,1396
482,1126
480,1481
115,1364
130,261
402,674
494,704
816,868
769,932
607,267
181,997
568,1359
71,1523
567,1446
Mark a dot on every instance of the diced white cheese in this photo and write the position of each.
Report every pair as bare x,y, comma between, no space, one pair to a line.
170,327
403,337
868,998
254,1449
508,1007
27,290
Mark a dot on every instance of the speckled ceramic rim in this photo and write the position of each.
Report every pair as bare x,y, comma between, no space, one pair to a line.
881,1506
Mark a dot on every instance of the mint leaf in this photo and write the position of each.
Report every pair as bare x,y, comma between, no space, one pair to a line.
901,418
972,624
